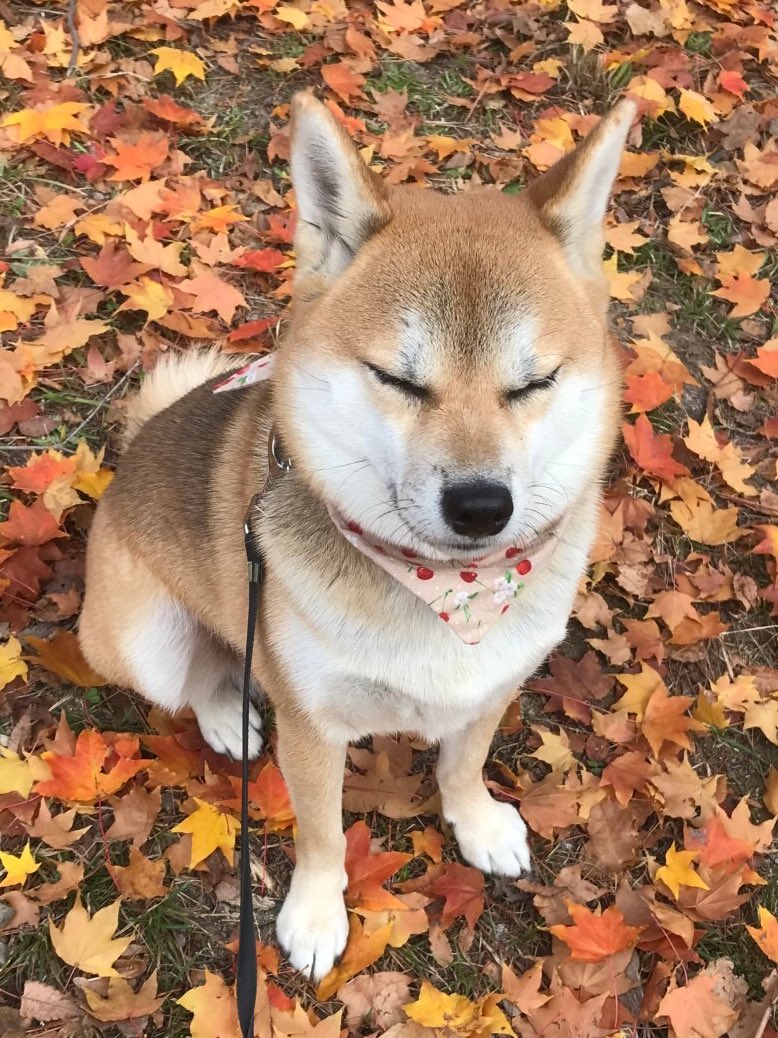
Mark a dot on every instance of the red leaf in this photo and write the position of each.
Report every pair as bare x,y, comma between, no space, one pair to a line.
252,329
463,890
263,260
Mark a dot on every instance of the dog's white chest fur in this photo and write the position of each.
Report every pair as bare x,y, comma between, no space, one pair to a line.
413,673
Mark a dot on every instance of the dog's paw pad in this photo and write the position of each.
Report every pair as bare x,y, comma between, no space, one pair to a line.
312,927
493,838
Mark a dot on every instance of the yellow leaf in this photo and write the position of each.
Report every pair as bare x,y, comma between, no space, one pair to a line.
181,63
696,107
710,714
149,295
18,868
678,872
15,774
97,227
122,1003
596,10
166,258
14,310
94,484
701,440
765,717
211,830
584,33
738,262
654,94
622,282
640,688
703,523
11,664
456,1013
213,1009
625,237
293,15
437,1009
87,942
55,123
766,934
554,751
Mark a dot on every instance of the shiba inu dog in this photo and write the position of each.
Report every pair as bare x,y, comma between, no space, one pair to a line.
448,397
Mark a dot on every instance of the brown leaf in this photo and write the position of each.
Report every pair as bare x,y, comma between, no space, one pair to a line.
141,879
44,1003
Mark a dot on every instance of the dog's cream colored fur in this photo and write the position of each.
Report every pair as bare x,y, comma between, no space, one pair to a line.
469,296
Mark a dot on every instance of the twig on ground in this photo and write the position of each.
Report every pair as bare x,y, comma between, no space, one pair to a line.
76,39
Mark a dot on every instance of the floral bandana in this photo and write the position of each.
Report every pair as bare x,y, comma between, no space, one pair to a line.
467,594
257,371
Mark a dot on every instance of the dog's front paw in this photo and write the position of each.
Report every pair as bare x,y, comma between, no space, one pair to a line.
492,836
312,925
221,723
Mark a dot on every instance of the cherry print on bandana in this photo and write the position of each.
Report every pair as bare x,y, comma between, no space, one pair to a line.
467,594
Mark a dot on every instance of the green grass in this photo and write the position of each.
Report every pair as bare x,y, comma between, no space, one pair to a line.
425,99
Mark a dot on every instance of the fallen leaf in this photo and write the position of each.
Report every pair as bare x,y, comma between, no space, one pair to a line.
678,871
18,867
87,942
211,830
122,1003
593,938
182,63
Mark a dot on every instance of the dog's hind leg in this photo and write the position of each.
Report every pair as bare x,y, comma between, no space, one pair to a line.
135,632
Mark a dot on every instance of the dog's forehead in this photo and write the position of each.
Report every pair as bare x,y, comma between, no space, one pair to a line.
436,340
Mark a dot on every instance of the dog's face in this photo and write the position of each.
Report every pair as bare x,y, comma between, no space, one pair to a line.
447,382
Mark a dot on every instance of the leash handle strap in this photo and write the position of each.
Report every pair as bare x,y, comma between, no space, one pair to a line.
246,970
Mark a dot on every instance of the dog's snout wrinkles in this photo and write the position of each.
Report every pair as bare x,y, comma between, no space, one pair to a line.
478,509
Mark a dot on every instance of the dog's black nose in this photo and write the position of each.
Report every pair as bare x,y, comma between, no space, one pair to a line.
479,509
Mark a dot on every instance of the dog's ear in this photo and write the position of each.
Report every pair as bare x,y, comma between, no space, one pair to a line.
572,197
340,202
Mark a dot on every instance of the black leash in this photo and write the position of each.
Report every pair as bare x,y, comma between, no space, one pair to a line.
246,966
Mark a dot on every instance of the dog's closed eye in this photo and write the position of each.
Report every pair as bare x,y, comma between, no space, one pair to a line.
512,396
411,389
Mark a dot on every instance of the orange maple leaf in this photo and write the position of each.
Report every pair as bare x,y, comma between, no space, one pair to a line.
362,950
30,524
766,934
652,452
368,871
748,293
40,471
341,79
62,656
81,776
594,938
136,161
645,392
211,293
665,720
694,1006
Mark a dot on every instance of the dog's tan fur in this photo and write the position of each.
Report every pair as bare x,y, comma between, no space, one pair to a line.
165,608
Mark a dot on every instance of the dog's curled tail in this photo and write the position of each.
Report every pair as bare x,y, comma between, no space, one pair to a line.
175,375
